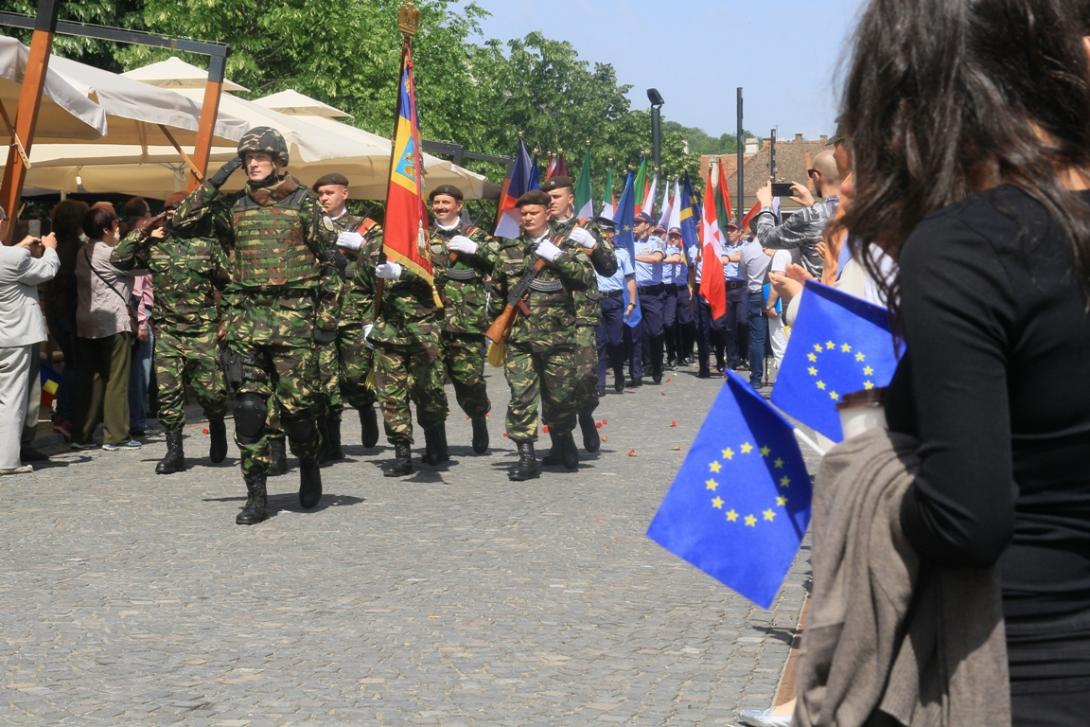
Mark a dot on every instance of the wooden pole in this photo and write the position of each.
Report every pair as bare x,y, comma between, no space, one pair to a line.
26,115
217,67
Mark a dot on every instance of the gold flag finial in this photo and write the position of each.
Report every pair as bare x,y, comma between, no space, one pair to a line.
408,18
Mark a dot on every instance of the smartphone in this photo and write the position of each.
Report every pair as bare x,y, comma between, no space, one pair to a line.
782,189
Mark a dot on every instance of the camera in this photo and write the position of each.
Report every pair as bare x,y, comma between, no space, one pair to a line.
782,189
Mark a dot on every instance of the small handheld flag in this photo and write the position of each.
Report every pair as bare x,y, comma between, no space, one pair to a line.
839,344
740,504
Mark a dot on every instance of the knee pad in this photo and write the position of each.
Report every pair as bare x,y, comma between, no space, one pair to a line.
250,410
298,426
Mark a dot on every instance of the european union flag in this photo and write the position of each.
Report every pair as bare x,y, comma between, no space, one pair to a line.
740,504
839,344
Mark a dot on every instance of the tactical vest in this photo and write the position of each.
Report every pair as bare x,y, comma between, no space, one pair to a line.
269,248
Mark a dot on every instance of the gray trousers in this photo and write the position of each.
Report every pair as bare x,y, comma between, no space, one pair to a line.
14,382
33,395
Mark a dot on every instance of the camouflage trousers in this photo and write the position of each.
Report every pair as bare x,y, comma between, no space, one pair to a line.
464,355
188,358
356,361
585,369
410,372
545,374
329,370
290,373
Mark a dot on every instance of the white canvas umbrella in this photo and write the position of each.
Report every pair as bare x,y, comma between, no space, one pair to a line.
175,73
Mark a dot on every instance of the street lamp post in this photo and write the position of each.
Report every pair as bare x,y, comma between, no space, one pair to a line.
655,98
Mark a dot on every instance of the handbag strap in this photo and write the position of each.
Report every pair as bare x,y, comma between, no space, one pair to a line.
87,255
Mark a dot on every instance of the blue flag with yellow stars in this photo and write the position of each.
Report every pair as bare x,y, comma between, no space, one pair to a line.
839,344
740,504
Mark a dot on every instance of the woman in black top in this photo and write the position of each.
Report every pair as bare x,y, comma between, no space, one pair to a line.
970,127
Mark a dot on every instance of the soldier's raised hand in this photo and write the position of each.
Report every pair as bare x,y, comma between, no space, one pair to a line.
232,165
583,238
461,243
388,271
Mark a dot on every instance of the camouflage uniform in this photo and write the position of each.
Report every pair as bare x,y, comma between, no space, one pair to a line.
587,310
355,357
284,286
186,270
541,347
408,347
462,288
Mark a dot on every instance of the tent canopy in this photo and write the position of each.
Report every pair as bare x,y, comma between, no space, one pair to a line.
176,73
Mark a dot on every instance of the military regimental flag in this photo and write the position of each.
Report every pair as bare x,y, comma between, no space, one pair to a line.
584,200
740,504
839,344
404,238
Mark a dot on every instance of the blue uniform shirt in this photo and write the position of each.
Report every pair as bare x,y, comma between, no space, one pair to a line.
694,252
733,271
649,273
675,273
624,271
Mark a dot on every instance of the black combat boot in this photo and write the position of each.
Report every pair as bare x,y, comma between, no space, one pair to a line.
403,462
480,434
568,451
435,445
278,457
257,500
321,422
616,359
368,427
217,446
331,438
591,441
174,461
310,482
526,468
556,455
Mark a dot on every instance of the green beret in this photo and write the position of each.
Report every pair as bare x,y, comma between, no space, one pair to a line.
328,179
534,196
446,189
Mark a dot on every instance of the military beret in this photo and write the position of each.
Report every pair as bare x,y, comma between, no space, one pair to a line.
644,217
328,179
447,189
558,182
534,196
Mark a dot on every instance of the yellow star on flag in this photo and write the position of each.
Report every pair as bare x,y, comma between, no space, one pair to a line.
751,522
765,451
778,463
747,448
830,345
860,357
811,357
781,501
818,348
732,515
868,385
868,371
769,515
821,385
711,484
834,396
785,481
715,466
812,371
846,348
717,503
728,453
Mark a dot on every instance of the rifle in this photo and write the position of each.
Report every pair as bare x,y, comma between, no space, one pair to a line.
497,332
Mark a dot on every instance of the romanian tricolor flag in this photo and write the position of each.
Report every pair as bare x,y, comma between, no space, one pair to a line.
405,241
51,384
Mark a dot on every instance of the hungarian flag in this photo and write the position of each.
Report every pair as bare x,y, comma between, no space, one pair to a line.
584,200
517,184
640,184
712,285
722,201
404,240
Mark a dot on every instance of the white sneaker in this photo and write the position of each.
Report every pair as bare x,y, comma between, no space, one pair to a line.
763,718
20,470
131,444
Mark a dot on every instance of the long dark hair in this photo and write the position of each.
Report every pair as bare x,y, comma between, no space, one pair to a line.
945,98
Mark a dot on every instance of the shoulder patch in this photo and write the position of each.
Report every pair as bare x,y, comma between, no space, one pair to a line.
327,223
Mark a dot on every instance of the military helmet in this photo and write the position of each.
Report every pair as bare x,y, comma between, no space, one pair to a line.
265,139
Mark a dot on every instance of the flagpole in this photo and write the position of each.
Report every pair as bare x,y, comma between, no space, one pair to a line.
809,442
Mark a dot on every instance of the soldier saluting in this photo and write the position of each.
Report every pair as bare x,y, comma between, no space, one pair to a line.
541,342
462,258
282,300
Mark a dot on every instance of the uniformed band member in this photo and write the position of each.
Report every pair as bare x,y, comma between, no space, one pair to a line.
463,258
406,331
584,237
614,314
541,346
187,269
647,338
280,302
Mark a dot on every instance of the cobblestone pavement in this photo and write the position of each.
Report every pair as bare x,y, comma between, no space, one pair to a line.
452,597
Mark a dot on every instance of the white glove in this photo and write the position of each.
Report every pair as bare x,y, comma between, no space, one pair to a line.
583,238
547,250
350,240
367,327
461,243
388,271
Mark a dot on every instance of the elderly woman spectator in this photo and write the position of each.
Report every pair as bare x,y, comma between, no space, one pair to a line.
106,330
23,267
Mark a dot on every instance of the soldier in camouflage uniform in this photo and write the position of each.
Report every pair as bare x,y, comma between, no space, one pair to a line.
281,301
346,365
541,346
463,258
407,336
583,237
187,270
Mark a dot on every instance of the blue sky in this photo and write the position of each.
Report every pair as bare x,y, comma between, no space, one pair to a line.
784,53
